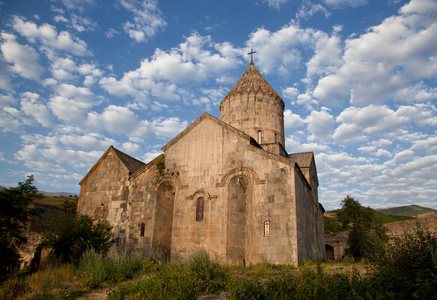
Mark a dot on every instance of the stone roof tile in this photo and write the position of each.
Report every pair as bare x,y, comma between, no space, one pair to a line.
132,164
303,159
252,82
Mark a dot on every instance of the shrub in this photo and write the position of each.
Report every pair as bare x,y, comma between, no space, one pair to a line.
98,269
209,274
176,281
14,216
409,268
172,281
70,236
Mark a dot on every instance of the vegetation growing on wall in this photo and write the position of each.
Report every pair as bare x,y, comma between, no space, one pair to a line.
162,171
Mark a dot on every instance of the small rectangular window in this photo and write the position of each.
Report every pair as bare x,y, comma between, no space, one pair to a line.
143,228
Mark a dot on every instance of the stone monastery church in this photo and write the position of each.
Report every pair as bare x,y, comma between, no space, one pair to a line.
227,186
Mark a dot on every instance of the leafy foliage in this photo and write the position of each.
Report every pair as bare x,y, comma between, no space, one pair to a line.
367,235
70,236
14,216
331,225
412,262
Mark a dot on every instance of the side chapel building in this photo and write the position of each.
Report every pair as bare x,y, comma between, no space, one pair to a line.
227,186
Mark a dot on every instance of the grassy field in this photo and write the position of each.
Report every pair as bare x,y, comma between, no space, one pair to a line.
69,203
116,277
130,277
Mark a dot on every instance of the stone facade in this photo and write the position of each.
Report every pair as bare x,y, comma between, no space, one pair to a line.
227,186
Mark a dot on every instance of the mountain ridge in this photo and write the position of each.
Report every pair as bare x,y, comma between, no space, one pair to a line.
407,210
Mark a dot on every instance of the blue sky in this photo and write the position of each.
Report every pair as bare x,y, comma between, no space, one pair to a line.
358,78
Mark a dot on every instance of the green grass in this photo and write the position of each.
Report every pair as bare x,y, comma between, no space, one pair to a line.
59,281
408,210
69,203
130,277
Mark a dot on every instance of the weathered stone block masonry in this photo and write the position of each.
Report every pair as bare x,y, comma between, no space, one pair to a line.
227,186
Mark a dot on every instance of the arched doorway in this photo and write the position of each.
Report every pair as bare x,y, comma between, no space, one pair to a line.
162,231
329,252
239,193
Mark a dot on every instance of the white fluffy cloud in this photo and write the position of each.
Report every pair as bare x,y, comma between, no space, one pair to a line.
162,76
359,124
169,128
114,119
399,52
321,126
32,106
147,20
280,51
48,36
275,3
23,58
309,9
340,3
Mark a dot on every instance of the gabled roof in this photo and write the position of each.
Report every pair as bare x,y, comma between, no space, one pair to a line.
131,164
214,119
252,82
303,159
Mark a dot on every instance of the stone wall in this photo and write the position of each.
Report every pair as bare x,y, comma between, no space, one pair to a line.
216,162
253,204
252,113
104,194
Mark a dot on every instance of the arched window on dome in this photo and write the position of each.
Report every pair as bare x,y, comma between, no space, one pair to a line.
199,209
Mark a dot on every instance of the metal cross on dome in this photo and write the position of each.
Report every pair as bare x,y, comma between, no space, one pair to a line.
251,53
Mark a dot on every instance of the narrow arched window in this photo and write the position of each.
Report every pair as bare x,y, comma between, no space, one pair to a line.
199,210
143,228
267,228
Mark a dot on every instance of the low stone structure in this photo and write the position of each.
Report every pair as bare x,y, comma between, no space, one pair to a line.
31,253
336,243
227,186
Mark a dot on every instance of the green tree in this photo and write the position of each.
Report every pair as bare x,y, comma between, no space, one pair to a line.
331,225
14,216
367,235
70,236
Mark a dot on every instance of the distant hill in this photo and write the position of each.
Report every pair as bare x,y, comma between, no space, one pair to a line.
63,202
333,225
58,194
408,210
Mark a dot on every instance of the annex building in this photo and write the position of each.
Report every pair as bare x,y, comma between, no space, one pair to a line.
225,185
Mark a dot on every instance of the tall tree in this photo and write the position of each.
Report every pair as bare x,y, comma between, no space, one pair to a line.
367,236
14,216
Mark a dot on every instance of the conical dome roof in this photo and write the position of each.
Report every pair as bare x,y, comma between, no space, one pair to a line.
252,82
254,107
